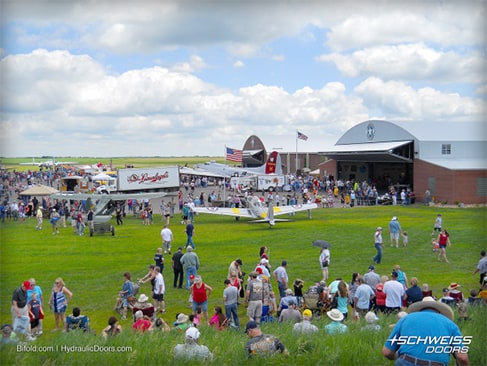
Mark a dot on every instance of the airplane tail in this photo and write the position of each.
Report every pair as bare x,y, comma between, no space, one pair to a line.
273,164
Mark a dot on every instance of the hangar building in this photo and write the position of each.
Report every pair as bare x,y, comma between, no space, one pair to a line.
448,158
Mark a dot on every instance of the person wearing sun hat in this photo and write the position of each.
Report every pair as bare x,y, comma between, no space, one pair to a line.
305,326
394,231
455,292
427,319
191,349
336,326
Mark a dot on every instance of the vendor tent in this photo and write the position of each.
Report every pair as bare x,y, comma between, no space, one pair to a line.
39,190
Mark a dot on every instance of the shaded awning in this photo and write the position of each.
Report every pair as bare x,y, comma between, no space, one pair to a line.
39,190
387,152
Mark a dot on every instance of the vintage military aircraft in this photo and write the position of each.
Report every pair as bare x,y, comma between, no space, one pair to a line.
256,210
104,204
273,165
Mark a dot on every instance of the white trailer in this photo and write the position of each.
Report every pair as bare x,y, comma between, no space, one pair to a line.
162,179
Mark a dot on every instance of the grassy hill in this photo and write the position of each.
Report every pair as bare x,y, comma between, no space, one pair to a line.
93,268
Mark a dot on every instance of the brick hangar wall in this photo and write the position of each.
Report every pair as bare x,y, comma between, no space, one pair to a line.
451,186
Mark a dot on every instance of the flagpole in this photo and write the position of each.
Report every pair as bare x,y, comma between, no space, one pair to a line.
225,180
296,160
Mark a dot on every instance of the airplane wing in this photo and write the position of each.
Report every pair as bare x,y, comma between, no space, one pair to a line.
114,196
225,211
282,210
201,173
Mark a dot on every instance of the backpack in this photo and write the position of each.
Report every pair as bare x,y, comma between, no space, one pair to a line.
400,277
135,288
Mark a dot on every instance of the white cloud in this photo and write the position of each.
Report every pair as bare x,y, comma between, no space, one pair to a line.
238,64
410,62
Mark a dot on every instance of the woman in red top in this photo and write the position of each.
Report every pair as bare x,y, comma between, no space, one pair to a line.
200,292
443,240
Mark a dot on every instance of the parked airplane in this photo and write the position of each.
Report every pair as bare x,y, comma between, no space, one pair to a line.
48,163
256,210
105,204
273,165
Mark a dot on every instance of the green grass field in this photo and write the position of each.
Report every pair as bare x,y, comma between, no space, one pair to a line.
93,267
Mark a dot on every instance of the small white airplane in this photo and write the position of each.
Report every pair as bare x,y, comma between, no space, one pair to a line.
273,165
105,204
256,210
48,163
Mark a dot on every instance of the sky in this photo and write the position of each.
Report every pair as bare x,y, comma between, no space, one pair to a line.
187,78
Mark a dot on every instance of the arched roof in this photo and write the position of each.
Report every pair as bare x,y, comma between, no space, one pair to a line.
374,131
253,143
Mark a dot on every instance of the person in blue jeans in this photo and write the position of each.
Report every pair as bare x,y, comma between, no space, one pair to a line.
230,300
189,233
378,245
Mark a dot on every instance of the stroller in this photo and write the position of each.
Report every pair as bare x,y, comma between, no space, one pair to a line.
317,300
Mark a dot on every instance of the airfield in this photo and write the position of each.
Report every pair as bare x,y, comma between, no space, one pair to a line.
93,267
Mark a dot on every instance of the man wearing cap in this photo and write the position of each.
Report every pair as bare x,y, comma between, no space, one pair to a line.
280,275
19,305
19,301
253,297
394,231
378,245
430,320
305,327
395,294
235,266
262,344
263,267
191,350
371,278
191,264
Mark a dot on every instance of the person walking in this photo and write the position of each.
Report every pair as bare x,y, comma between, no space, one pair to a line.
189,233
394,231
167,239
443,240
190,263
324,262
437,226
378,245
177,268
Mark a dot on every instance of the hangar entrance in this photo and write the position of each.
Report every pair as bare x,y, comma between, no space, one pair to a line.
383,163
382,175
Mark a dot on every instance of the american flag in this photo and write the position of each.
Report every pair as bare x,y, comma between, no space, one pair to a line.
302,136
234,155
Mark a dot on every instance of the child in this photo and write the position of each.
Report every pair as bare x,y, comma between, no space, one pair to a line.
197,316
36,314
405,238
436,245
159,259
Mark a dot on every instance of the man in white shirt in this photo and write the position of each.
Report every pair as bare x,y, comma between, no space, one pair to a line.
159,289
395,293
167,239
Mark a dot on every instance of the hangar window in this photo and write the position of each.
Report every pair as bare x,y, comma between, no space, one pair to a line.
446,149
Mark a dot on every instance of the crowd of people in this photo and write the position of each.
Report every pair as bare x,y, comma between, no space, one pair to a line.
267,294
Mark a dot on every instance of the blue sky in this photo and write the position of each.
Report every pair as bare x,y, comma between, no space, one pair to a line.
173,78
